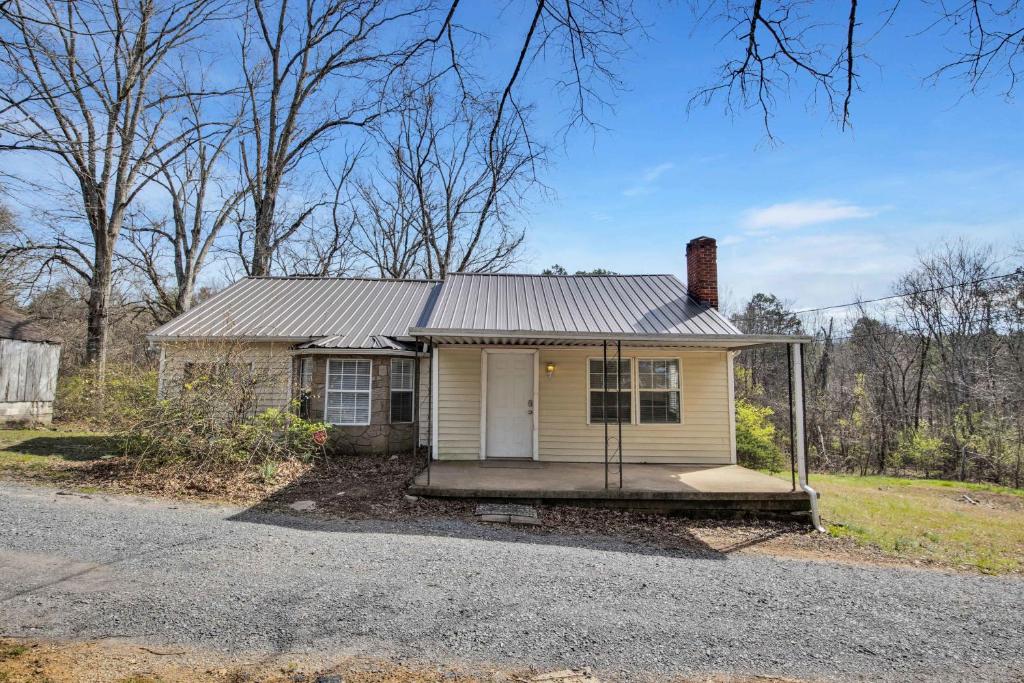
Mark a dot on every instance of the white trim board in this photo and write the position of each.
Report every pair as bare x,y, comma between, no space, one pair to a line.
435,358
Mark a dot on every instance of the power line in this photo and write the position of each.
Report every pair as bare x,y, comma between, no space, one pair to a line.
904,294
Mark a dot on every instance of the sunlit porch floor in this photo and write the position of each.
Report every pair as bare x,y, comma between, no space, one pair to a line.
715,485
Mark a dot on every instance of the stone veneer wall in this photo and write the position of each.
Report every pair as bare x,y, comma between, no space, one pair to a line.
380,436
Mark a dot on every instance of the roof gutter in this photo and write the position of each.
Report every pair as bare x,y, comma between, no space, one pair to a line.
722,340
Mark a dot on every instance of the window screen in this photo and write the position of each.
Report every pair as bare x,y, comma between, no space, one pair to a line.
348,392
403,384
658,382
620,398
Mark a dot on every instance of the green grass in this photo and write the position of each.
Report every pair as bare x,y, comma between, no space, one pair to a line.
928,520
42,450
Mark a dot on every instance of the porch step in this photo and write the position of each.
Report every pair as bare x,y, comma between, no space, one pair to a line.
507,513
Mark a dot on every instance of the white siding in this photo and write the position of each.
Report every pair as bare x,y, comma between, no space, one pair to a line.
458,404
704,435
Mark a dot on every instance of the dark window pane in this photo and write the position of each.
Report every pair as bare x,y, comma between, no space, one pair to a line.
597,408
401,406
659,407
597,374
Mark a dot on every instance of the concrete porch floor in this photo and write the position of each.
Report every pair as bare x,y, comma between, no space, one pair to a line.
716,489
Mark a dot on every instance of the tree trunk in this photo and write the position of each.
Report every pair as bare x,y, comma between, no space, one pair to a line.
97,325
263,233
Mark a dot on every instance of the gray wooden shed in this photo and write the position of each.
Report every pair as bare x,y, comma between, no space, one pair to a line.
29,357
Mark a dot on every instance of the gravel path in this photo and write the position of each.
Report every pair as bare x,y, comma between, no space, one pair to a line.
441,591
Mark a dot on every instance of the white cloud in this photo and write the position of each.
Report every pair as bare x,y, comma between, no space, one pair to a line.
655,172
799,214
645,184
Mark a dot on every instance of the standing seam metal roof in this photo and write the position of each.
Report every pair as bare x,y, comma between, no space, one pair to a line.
602,304
364,313
349,313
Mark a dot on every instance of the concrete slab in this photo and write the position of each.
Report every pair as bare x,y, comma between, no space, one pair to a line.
553,477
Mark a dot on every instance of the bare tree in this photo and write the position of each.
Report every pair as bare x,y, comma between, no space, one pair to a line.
445,197
814,47
324,244
312,68
13,267
204,194
82,86
387,226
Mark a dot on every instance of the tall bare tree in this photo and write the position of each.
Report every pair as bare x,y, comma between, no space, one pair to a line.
451,183
204,193
312,68
81,86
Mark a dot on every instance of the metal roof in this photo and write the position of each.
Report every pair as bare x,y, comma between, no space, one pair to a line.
23,328
628,305
320,314
352,313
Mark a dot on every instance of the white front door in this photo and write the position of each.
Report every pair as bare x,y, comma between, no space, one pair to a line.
509,428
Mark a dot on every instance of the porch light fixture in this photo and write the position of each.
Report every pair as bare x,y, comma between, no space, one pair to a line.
550,369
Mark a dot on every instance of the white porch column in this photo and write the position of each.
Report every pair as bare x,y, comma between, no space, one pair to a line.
796,379
797,384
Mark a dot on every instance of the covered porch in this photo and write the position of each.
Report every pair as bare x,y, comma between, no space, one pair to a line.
715,490
617,468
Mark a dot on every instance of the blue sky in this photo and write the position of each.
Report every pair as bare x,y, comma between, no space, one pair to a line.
818,218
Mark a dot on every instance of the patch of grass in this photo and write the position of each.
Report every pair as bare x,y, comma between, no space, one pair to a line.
39,450
11,651
928,520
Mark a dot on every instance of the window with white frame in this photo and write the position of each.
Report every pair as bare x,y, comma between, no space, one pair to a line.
619,394
348,392
658,386
402,385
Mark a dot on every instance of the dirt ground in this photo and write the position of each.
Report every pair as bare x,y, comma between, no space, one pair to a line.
373,487
113,661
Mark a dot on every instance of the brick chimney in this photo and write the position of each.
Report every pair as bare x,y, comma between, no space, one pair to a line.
702,270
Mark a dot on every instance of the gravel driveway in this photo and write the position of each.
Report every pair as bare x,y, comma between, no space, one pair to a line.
164,572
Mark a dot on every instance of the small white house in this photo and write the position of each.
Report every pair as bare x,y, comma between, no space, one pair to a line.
29,357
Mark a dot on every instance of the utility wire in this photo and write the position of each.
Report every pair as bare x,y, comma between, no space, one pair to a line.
904,294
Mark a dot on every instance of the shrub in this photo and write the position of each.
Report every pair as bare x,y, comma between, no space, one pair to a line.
755,437
126,392
916,449
213,420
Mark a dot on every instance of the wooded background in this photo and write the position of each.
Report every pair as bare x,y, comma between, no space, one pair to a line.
180,140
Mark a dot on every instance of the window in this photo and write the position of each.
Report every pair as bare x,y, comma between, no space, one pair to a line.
402,385
348,392
620,398
306,373
658,384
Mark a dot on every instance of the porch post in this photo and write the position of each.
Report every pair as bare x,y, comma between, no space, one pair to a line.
604,405
618,404
796,406
797,410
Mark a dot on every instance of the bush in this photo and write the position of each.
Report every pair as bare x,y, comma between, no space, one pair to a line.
213,421
755,437
127,391
917,450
